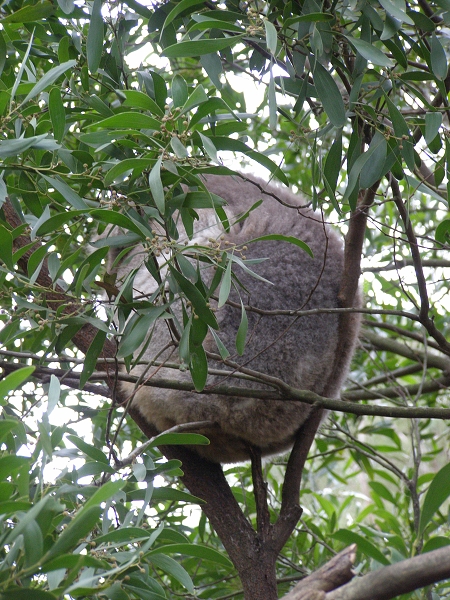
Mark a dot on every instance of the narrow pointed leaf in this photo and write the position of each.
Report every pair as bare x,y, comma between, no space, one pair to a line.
49,78
94,43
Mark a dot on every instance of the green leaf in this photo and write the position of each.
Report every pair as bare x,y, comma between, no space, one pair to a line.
28,14
82,524
122,535
94,43
129,120
179,91
437,494
378,150
119,219
136,331
442,234
170,566
16,147
13,381
156,186
27,594
66,192
180,439
209,147
197,97
127,166
6,426
51,224
433,121
220,346
54,393
213,67
89,450
364,546
401,130
438,58
283,238
178,147
225,286
196,298
105,492
6,247
382,491
198,47
397,9
370,52
226,143
333,161
136,99
198,366
330,96
57,113
67,6
241,335
373,169
90,361
271,37
203,552
179,8
50,77
272,102
31,515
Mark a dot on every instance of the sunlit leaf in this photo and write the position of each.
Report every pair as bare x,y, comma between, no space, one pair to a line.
156,186
271,36
13,381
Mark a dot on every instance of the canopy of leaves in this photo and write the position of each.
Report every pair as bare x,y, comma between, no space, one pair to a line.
109,115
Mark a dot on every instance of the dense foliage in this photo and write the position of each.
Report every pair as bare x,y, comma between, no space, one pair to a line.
106,109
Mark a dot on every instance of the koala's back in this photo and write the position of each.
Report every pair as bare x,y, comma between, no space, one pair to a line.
298,350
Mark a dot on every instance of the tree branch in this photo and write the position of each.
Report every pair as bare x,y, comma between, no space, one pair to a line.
399,578
421,282
333,574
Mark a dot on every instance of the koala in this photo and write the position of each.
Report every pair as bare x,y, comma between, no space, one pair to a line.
298,350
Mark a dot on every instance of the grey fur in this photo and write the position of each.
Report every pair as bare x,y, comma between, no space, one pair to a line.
299,351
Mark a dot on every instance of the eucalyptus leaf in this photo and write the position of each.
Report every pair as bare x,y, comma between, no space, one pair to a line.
437,494
199,47
94,43
50,77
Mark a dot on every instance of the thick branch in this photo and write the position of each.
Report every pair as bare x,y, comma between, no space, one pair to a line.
290,511
295,395
332,575
397,579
